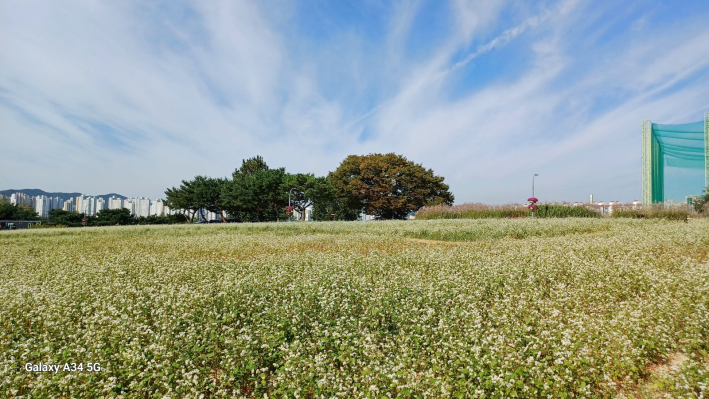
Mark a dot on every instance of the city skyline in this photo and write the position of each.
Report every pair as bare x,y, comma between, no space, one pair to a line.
136,97
91,205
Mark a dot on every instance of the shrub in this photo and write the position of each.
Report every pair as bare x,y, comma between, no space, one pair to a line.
701,204
657,211
482,211
473,211
564,211
48,226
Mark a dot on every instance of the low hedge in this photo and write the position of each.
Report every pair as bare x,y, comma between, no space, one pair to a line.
668,214
544,211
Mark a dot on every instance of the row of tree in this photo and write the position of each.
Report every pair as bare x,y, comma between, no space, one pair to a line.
387,186
16,212
109,217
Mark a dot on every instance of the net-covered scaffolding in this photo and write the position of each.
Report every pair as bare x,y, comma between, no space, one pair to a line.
684,146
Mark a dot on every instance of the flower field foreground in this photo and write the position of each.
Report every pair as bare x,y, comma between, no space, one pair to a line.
511,308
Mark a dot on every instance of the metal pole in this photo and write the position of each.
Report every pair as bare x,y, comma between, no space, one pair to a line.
706,152
289,192
535,175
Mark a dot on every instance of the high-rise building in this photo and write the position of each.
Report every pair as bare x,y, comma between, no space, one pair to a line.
129,204
79,206
20,198
115,203
142,207
90,206
69,205
99,205
38,204
42,205
86,205
57,203
157,208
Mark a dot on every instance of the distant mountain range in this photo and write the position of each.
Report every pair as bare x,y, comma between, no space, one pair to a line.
33,192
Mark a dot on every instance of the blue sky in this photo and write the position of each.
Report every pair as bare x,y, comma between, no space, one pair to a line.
132,97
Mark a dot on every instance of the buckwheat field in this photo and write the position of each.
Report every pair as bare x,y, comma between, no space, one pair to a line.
436,309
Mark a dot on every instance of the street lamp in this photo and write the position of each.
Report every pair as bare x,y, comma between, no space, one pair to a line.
289,204
534,199
289,192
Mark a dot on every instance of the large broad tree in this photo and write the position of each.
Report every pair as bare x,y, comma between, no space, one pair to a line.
388,186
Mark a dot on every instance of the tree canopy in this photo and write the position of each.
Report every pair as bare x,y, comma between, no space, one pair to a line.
207,194
65,218
255,192
306,190
16,212
183,198
327,206
112,217
388,186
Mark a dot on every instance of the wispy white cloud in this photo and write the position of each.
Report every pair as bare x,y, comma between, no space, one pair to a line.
132,97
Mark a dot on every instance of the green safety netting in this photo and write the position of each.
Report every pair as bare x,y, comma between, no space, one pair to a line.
678,146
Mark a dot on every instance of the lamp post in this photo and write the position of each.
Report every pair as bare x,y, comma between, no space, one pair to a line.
289,192
533,200
289,203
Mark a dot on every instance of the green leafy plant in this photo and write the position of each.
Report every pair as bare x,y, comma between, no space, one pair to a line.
47,226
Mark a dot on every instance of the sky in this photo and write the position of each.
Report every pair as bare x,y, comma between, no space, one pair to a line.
132,97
